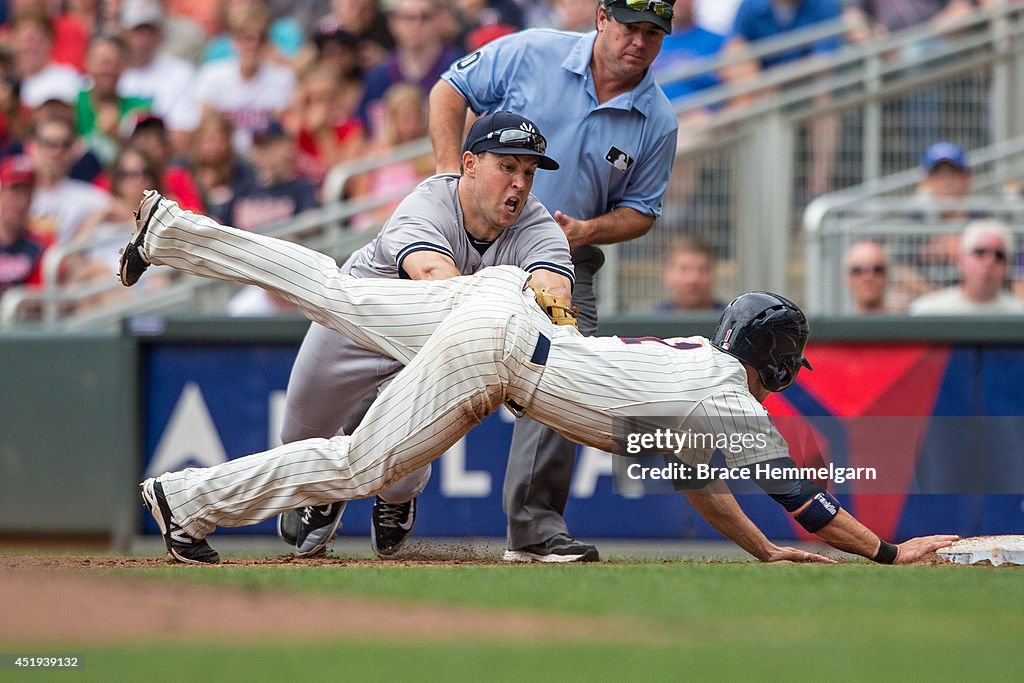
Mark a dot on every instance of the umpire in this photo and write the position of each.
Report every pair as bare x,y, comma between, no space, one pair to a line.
614,134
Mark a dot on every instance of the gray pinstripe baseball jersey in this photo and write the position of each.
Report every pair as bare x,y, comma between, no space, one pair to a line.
470,343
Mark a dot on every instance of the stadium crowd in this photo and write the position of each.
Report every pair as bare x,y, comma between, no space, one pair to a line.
239,108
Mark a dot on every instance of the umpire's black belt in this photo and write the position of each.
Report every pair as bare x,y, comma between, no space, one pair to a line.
539,357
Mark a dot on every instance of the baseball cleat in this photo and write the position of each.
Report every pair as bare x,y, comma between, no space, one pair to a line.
559,548
310,528
392,523
133,264
180,546
288,526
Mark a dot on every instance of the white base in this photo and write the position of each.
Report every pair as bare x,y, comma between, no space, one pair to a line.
996,549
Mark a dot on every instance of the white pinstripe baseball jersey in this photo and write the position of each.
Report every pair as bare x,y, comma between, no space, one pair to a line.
469,344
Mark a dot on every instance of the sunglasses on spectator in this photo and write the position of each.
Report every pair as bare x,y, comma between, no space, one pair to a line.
662,9
982,252
867,270
131,172
407,16
52,143
251,37
516,137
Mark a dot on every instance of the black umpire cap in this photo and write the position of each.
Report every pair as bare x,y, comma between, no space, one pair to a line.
506,133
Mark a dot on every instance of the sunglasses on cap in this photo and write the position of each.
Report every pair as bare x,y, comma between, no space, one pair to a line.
515,137
662,9
867,270
981,252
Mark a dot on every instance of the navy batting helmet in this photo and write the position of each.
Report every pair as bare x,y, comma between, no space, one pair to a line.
767,331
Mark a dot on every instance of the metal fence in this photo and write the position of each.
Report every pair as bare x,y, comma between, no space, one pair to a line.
917,232
743,175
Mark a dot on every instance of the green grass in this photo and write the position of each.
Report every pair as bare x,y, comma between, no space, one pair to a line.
844,622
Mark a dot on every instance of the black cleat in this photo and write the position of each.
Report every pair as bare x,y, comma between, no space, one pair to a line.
133,264
311,528
180,546
558,548
392,523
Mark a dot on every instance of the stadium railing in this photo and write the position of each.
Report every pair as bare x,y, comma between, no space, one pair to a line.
742,174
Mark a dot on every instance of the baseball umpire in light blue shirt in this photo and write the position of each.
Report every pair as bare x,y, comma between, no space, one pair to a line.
614,133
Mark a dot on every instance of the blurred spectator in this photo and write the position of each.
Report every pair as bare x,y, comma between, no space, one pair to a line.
284,33
880,18
364,20
498,17
85,165
986,250
59,203
575,15
947,172
21,254
167,82
132,173
150,135
277,192
41,77
252,89
328,132
99,110
419,57
405,120
217,170
689,278
338,51
686,44
867,276
760,19
947,178
717,16
13,119
71,28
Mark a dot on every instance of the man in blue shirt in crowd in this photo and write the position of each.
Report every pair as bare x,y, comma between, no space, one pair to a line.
687,44
760,19
614,134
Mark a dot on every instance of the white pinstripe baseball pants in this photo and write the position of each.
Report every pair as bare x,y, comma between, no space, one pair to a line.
467,343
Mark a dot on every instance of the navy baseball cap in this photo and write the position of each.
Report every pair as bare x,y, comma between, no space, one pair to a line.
945,153
657,12
506,133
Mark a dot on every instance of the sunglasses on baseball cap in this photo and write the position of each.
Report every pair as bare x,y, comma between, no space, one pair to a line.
657,12
507,133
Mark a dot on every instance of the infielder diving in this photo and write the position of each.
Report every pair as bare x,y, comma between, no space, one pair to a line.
470,344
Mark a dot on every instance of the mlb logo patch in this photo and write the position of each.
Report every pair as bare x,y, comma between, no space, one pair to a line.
619,159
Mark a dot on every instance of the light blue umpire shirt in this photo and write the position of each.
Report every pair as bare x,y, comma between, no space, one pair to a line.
624,147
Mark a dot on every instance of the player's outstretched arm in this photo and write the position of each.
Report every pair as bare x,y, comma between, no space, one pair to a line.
847,534
718,506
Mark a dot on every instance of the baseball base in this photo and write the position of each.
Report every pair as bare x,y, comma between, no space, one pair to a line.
996,549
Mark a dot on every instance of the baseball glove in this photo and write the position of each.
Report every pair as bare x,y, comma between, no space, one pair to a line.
556,308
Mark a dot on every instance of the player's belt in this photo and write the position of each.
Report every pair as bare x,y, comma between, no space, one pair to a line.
539,357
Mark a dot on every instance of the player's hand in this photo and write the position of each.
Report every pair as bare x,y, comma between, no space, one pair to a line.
786,554
916,548
575,230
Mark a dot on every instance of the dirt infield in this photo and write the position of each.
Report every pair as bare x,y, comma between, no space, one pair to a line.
51,598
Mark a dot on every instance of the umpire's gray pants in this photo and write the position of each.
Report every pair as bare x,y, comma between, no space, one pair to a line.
540,461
